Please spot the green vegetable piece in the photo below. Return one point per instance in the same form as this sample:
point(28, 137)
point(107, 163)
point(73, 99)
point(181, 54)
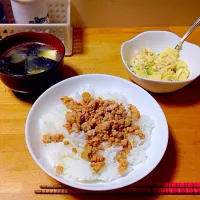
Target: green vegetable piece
point(149, 71)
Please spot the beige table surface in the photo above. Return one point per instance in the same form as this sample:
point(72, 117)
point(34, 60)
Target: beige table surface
point(98, 51)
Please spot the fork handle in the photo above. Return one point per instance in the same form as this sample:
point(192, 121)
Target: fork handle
point(191, 29)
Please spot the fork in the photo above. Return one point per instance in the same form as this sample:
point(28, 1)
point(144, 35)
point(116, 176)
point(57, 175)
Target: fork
point(191, 29)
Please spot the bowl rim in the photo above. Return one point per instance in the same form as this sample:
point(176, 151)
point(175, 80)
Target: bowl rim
point(151, 80)
point(36, 33)
point(77, 184)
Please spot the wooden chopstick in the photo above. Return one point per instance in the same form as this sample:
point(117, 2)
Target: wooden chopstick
point(54, 186)
point(143, 190)
point(157, 185)
point(174, 188)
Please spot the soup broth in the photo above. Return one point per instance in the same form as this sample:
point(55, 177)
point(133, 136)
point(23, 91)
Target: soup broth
point(29, 58)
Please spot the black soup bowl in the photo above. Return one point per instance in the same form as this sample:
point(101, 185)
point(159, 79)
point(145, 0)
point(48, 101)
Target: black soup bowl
point(30, 83)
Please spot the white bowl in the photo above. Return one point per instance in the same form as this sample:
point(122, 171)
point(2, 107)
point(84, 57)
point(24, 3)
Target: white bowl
point(100, 83)
point(157, 41)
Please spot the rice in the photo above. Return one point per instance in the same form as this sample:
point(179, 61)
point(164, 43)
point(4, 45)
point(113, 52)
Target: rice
point(75, 167)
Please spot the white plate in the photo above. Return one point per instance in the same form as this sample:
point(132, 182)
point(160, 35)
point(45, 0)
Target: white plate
point(100, 83)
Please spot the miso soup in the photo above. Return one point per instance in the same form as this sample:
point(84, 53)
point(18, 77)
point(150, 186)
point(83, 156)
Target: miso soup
point(29, 58)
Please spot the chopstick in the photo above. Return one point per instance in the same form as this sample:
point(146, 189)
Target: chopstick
point(166, 191)
point(156, 185)
point(186, 188)
point(54, 186)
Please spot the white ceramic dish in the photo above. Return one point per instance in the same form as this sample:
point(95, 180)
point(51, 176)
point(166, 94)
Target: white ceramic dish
point(100, 83)
point(157, 41)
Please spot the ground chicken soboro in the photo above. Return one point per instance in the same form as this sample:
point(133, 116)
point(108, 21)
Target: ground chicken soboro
point(48, 138)
point(59, 169)
point(102, 121)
